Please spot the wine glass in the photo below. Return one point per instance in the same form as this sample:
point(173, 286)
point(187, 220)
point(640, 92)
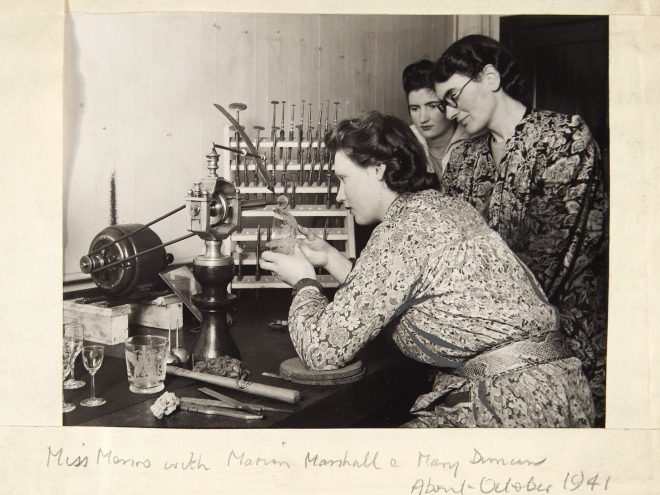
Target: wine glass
point(171, 358)
point(67, 362)
point(93, 359)
point(180, 352)
point(77, 332)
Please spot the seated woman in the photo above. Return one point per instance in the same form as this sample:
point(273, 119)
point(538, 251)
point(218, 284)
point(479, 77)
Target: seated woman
point(437, 134)
point(536, 177)
point(447, 287)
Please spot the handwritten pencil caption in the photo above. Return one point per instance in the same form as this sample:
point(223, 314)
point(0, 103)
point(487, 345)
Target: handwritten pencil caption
point(448, 476)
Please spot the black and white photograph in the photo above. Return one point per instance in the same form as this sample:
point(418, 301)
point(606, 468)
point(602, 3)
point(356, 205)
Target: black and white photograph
point(432, 188)
point(387, 249)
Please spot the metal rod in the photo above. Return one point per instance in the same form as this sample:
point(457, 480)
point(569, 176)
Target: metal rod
point(138, 230)
point(119, 262)
point(241, 152)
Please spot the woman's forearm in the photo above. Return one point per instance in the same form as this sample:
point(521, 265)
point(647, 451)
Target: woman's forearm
point(338, 265)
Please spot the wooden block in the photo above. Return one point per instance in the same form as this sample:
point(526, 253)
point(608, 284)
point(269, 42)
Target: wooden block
point(163, 312)
point(103, 325)
point(294, 370)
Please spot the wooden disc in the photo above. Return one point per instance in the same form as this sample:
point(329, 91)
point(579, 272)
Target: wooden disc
point(294, 370)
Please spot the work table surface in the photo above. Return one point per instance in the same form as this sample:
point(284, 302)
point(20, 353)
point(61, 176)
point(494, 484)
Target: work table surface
point(381, 398)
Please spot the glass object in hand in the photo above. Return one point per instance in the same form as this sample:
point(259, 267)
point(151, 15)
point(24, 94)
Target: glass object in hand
point(76, 331)
point(93, 359)
point(285, 228)
point(146, 363)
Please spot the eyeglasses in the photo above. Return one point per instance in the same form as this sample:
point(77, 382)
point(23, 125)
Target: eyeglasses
point(451, 100)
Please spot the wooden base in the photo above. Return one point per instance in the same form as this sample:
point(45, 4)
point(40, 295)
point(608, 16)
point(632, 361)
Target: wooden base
point(294, 371)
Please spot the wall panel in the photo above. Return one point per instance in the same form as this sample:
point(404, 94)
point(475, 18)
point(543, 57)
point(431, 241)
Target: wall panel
point(140, 89)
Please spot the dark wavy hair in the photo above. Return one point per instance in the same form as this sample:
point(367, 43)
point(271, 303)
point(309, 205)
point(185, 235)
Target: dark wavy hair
point(378, 138)
point(418, 76)
point(469, 55)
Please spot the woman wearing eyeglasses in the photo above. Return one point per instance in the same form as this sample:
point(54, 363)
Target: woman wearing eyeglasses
point(447, 288)
point(437, 134)
point(537, 179)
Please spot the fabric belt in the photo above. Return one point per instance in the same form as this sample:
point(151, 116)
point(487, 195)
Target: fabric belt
point(514, 356)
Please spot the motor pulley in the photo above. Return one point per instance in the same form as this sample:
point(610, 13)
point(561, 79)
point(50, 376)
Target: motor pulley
point(119, 243)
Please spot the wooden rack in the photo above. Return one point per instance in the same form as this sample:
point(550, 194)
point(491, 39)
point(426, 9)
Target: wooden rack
point(314, 207)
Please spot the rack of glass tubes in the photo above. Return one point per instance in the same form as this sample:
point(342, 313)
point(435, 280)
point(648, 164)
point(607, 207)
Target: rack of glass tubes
point(300, 168)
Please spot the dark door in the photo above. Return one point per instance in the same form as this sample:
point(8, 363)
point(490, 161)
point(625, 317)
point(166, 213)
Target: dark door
point(565, 59)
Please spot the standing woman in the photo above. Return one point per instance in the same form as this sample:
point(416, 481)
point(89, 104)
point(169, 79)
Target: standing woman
point(437, 134)
point(536, 177)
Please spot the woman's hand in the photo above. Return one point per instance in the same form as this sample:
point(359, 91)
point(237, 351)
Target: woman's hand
point(288, 268)
point(313, 247)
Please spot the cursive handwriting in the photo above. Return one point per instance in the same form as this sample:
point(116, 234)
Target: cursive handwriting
point(425, 460)
point(479, 458)
point(244, 460)
point(193, 463)
point(110, 459)
point(58, 458)
point(421, 487)
point(488, 485)
point(369, 461)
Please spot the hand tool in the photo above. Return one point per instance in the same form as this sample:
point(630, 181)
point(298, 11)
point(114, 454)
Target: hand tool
point(273, 131)
point(299, 156)
point(282, 134)
point(255, 408)
point(272, 178)
point(310, 129)
point(319, 133)
point(285, 185)
point(301, 134)
point(328, 199)
point(327, 116)
point(273, 375)
point(239, 253)
point(291, 138)
point(187, 405)
point(310, 172)
point(292, 202)
point(283, 394)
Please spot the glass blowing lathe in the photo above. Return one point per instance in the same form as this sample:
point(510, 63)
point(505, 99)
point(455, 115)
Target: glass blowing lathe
point(124, 258)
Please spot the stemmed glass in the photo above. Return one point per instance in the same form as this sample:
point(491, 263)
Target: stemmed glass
point(93, 359)
point(77, 332)
point(171, 358)
point(67, 361)
point(180, 352)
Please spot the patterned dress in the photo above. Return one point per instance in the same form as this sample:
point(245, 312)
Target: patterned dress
point(448, 289)
point(548, 201)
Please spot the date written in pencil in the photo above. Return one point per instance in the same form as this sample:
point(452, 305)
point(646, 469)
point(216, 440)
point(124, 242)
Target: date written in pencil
point(576, 482)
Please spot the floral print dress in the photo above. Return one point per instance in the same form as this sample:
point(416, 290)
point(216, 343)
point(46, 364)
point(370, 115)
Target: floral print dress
point(548, 201)
point(448, 289)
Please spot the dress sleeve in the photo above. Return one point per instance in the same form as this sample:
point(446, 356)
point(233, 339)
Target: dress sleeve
point(569, 217)
point(328, 335)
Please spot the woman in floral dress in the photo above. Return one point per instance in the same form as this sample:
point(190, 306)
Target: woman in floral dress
point(447, 288)
point(536, 177)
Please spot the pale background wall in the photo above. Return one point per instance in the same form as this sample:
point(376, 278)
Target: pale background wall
point(139, 90)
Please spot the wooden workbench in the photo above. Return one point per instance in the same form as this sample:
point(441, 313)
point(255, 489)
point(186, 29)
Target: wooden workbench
point(381, 399)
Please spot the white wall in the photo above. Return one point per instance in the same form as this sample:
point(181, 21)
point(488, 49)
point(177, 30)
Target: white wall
point(140, 89)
